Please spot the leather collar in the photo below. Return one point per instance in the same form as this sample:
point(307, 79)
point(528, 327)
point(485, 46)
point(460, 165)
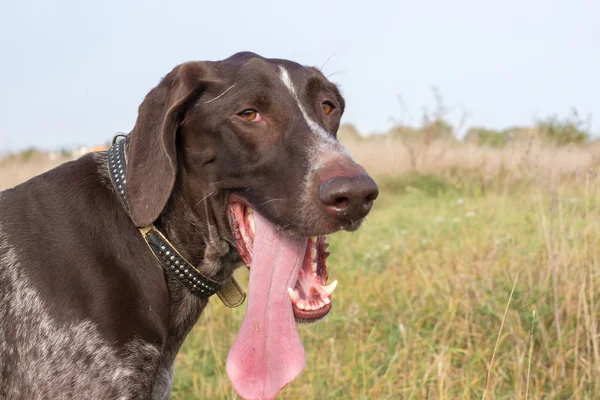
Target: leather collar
point(175, 265)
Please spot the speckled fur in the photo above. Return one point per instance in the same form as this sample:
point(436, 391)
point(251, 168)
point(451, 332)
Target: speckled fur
point(41, 358)
point(49, 356)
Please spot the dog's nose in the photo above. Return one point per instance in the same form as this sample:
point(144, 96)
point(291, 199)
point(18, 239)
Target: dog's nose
point(349, 197)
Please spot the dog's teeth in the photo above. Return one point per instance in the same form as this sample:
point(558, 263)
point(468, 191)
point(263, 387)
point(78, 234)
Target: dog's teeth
point(313, 265)
point(321, 304)
point(314, 239)
point(330, 288)
point(293, 295)
point(313, 253)
point(300, 305)
point(327, 300)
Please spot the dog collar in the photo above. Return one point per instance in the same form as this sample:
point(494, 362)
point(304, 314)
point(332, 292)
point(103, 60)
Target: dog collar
point(176, 266)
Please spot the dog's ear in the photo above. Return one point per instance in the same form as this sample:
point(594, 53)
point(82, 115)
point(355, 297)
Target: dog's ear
point(152, 153)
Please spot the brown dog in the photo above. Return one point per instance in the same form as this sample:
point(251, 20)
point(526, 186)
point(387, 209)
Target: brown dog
point(230, 162)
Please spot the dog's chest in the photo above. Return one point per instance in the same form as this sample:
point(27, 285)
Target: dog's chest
point(43, 358)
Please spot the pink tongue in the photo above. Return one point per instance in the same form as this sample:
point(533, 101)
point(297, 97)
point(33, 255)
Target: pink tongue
point(267, 353)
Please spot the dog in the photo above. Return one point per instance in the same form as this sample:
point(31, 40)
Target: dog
point(106, 262)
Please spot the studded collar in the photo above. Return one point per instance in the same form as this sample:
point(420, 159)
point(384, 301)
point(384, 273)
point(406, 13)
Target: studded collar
point(174, 264)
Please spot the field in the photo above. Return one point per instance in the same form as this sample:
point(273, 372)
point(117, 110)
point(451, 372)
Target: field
point(476, 276)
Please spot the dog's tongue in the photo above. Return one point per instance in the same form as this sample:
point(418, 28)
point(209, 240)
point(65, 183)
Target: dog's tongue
point(267, 353)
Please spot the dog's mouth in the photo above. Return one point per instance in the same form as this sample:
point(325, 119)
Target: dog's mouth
point(288, 284)
point(311, 295)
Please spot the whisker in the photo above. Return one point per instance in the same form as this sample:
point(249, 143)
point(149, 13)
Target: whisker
point(222, 94)
point(268, 201)
point(204, 198)
point(336, 73)
point(330, 57)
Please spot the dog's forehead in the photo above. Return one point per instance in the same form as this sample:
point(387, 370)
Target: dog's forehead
point(248, 66)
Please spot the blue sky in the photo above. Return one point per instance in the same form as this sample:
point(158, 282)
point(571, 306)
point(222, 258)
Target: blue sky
point(74, 72)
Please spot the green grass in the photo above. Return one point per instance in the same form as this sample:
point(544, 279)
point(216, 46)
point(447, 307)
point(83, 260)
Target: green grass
point(423, 287)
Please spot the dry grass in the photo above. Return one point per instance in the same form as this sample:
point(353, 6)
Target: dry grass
point(423, 305)
point(385, 156)
point(15, 170)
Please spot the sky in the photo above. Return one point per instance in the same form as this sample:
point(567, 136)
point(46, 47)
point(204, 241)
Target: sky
point(74, 72)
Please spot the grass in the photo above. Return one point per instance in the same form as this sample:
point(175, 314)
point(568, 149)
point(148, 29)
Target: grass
point(15, 169)
point(428, 292)
point(424, 286)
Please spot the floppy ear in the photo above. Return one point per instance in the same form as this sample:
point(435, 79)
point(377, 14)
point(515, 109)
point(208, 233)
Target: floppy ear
point(152, 153)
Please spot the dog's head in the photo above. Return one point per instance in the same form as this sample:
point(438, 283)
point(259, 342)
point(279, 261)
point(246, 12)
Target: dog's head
point(252, 142)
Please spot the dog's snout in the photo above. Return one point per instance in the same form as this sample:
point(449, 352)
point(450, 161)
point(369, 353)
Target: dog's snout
point(348, 197)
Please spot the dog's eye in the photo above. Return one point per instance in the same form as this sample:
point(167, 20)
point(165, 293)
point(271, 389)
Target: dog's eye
point(327, 107)
point(250, 114)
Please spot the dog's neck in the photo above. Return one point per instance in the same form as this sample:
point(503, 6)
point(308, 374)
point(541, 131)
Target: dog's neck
point(195, 229)
point(199, 233)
